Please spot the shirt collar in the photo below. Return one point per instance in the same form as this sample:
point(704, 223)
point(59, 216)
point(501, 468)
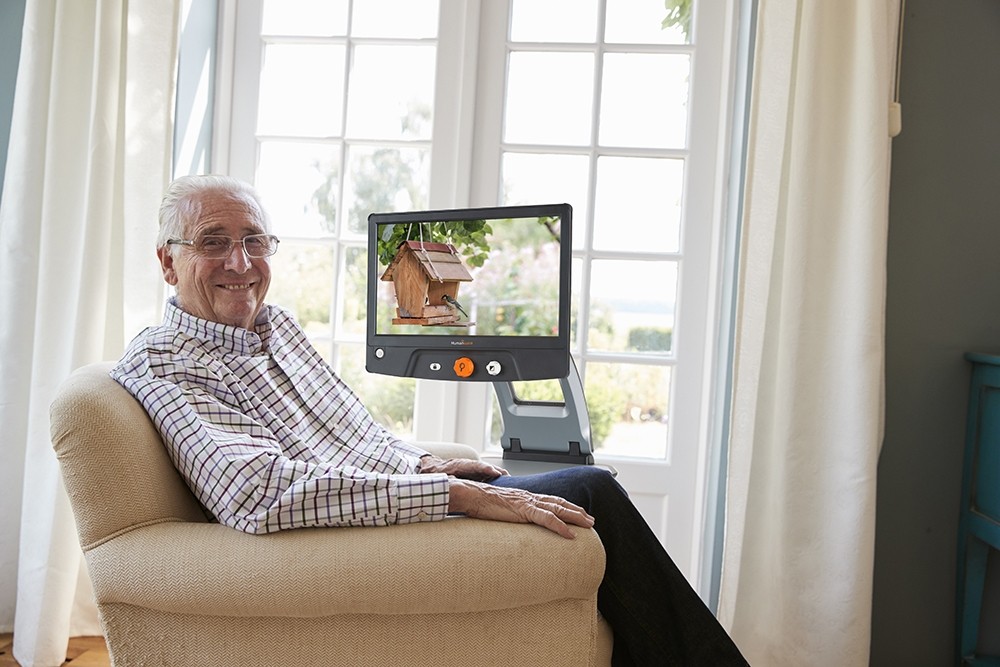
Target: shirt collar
point(236, 340)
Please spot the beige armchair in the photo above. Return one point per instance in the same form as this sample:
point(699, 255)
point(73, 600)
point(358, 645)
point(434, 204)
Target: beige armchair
point(174, 589)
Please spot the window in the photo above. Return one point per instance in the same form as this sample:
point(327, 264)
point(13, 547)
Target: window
point(596, 113)
point(331, 120)
point(343, 108)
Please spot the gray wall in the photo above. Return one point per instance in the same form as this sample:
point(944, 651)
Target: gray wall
point(943, 299)
point(11, 19)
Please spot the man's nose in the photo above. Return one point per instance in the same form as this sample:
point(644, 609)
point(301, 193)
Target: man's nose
point(238, 260)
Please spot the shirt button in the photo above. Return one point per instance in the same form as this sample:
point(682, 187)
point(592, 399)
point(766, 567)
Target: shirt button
point(422, 515)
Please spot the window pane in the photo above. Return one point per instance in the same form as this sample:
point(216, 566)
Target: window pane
point(628, 408)
point(301, 276)
point(649, 22)
point(644, 100)
point(632, 306)
point(301, 90)
point(385, 179)
point(532, 178)
point(395, 18)
point(352, 306)
point(389, 399)
point(549, 98)
point(538, 391)
point(392, 92)
point(299, 183)
point(638, 204)
point(553, 21)
point(304, 17)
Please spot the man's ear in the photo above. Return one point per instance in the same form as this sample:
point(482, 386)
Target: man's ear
point(167, 264)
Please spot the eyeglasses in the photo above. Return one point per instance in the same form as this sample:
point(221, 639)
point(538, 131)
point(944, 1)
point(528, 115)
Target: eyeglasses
point(217, 247)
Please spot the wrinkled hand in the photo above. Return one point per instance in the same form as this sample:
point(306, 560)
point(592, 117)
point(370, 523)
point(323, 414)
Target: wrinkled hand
point(461, 468)
point(496, 503)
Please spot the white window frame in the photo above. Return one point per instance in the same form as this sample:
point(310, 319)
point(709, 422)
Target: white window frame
point(700, 300)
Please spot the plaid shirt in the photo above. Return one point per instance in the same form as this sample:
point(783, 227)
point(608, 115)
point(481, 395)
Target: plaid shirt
point(266, 435)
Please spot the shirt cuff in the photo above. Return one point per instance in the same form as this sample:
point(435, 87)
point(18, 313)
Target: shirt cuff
point(422, 498)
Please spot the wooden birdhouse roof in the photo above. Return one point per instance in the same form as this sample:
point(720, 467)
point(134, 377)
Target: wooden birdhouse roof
point(439, 261)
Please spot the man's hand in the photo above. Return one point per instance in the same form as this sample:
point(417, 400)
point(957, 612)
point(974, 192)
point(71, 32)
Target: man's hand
point(461, 468)
point(496, 503)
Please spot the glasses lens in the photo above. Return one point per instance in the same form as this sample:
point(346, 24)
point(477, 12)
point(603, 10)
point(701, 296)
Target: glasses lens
point(260, 245)
point(214, 246)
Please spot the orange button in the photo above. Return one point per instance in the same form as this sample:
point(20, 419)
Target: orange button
point(464, 367)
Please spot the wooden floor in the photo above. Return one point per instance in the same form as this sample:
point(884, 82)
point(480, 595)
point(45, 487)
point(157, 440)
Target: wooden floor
point(82, 652)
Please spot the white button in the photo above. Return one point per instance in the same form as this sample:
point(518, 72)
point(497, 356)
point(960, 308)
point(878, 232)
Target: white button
point(379, 353)
point(494, 368)
point(435, 366)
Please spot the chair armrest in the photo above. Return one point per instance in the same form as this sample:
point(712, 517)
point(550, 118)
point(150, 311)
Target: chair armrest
point(449, 450)
point(456, 565)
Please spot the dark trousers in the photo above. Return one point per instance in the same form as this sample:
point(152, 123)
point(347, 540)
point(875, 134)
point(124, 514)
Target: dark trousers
point(656, 616)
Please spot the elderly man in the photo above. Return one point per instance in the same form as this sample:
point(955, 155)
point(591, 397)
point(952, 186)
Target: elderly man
point(269, 438)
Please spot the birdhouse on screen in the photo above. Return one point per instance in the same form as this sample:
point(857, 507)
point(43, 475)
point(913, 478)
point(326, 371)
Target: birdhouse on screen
point(426, 278)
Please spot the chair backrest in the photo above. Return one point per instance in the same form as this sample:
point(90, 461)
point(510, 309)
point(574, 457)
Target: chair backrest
point(116, 470)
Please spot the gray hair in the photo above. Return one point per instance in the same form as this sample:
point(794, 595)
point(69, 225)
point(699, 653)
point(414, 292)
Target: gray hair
point(181, 204)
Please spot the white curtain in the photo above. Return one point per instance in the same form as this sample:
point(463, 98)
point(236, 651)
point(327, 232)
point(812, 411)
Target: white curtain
point(808, 376)
point(89, 157)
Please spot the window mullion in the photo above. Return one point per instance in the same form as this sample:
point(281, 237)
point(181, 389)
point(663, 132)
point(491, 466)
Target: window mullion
point(247, 47)
point(454, 103)
point(437, 413)
point(491, 76)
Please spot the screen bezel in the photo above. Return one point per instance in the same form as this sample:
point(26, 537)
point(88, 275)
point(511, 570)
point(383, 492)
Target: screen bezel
point(529, 357)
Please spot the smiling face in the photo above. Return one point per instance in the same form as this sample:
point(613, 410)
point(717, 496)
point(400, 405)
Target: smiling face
point(229, 290)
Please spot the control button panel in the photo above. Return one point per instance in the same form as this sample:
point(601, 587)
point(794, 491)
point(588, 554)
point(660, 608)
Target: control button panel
point(464, 365)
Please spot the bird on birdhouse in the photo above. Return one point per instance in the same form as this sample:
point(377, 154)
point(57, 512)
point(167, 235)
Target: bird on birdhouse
point(454, 302)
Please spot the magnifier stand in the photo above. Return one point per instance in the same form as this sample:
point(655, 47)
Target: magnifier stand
point(546, 432)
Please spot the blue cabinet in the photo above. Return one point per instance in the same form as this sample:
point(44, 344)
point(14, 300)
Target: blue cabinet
point(979, 521)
